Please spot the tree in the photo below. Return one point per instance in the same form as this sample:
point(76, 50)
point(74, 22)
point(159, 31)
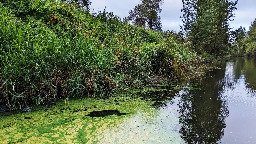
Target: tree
point(238, 41)
point(206, 24)
point(239, 33)
point(189, 15)
point(146, 14)
point(250, 40)
point(252, 31)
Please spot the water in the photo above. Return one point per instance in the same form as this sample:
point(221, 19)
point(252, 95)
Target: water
point(221, 108)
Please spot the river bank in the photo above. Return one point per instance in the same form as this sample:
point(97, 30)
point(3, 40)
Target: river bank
point(210, 107)
point(88, 120)
point(53, 50)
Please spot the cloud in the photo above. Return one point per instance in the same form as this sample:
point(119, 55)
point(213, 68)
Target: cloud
point(119, 8)
point(170, 15)
point(171, 11)
point(171, 25)
point(245, 14)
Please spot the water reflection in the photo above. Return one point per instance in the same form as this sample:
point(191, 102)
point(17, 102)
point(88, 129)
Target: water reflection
point(223, 109)
point(241, 99)
point(203, 112)
point(218, 109)
point(247, 68)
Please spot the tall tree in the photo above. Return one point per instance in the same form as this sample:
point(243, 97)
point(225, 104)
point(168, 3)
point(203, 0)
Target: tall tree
point(147, 14)
point(250, 40)
point(206, 24)
point(252, 31)
point(239, 33)
point(238, 41)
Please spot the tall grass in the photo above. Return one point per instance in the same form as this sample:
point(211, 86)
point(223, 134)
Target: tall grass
point(51, 50)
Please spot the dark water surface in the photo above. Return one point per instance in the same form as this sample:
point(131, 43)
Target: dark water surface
point(218, 109)
point(224, 109)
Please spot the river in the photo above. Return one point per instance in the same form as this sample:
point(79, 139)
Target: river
point(218, 108)
point(221, 108)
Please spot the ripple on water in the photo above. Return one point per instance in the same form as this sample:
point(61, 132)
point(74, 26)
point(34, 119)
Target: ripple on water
point(240, 95)
point(241, 100)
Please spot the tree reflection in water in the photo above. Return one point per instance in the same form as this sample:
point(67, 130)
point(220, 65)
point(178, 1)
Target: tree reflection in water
point(203, 112)
point(247, 68)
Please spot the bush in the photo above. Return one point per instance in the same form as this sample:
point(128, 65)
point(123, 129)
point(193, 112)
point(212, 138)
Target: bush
point(51, 50)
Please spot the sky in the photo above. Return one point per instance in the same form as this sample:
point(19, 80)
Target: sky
point(171, 12)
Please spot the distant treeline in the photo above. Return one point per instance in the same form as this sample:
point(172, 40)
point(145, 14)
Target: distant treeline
point(244, 42)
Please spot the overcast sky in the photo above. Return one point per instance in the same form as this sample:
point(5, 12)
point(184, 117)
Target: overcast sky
point(170, 16)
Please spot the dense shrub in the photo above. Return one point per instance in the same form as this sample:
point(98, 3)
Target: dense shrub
point(52, 50)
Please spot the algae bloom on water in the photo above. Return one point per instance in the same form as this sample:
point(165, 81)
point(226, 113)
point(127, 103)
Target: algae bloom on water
point(79, 121)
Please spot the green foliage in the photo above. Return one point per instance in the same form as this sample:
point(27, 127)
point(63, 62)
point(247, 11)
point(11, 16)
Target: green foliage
point(245, 43)
point(146, 14)
point(252, 31)
point(238, 41)
point(51, 50)
point(251, 39)
point(206, 24)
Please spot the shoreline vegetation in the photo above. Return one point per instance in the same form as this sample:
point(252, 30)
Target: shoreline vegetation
point(70, 76)
point(57, 50)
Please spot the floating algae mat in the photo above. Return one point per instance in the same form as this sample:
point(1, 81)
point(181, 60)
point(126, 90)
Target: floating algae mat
point(78, 121)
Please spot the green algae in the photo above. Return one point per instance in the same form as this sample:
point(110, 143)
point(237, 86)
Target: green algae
point(67, 123)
